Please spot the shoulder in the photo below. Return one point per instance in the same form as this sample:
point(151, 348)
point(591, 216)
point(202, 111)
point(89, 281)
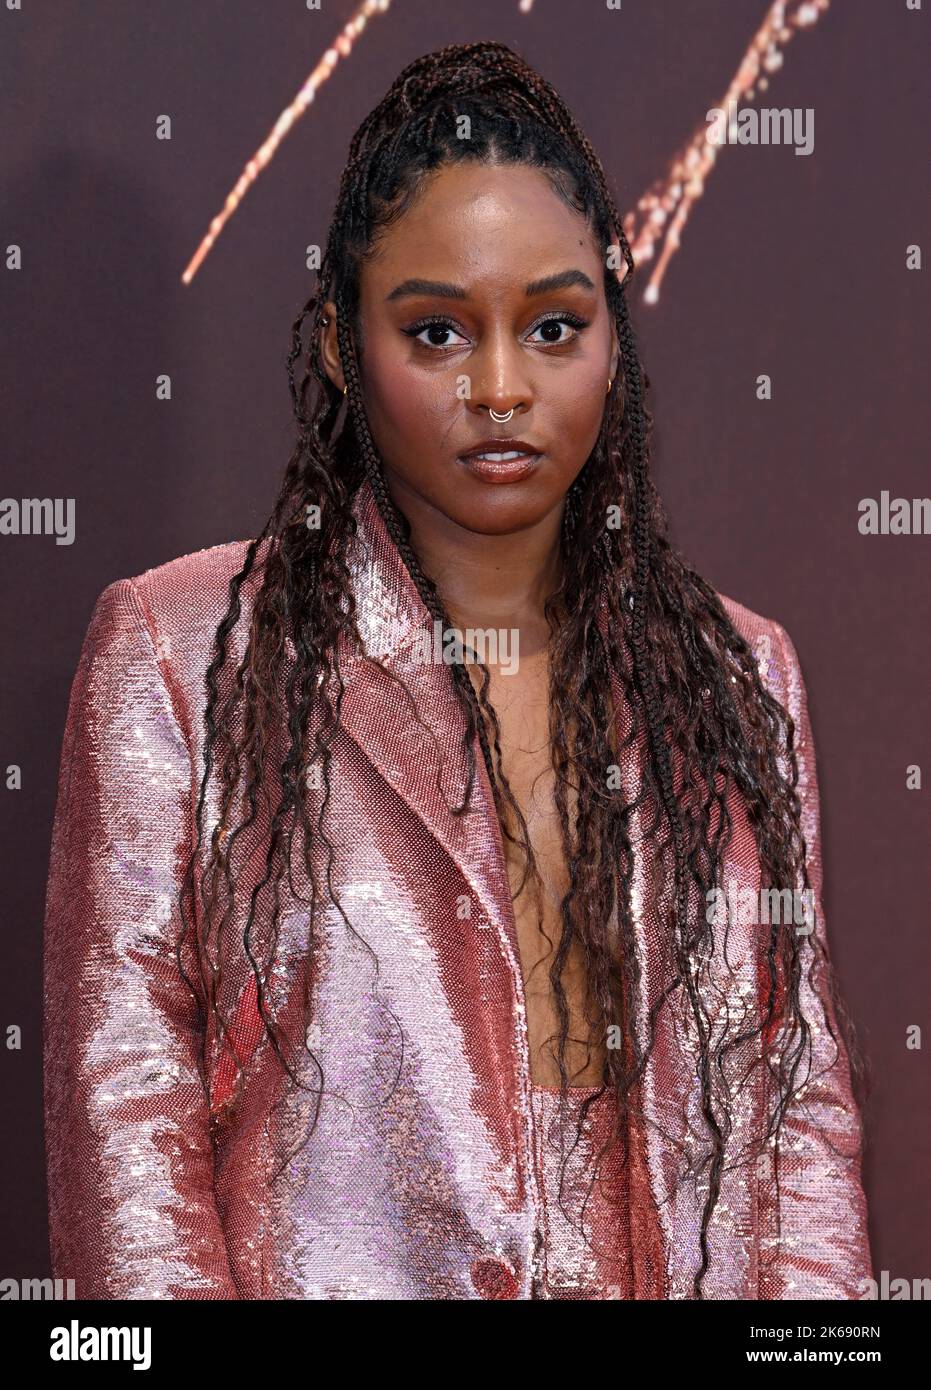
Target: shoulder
point(781, 675)
point(177, 596)
point(776, 655)
point(159, 625)
point(200, 580)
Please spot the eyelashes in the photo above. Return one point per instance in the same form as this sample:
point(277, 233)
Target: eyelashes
point(437, 321)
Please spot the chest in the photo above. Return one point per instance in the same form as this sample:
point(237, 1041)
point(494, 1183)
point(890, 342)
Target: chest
point(521, 703)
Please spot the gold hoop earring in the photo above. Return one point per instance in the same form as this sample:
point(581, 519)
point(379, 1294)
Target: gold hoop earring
point(610, 384)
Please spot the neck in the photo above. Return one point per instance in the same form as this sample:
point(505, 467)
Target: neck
point(488, 581)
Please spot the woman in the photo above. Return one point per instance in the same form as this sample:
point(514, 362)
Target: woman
point(389, 961)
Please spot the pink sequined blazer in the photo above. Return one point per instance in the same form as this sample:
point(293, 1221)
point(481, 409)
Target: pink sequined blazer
point(422, 1178)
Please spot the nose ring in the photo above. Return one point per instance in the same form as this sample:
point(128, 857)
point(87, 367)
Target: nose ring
point(501, 419)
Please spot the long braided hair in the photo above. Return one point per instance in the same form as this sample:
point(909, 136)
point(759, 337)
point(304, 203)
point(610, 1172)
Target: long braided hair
point(692, 681)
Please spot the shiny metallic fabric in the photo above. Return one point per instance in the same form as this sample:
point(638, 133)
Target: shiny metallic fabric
point(586, 1199)
point(431, 1172)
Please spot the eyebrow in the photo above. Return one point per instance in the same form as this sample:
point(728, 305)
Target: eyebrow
point(441, 289)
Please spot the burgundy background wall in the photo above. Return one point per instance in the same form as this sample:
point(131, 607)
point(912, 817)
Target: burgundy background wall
point(792, 266)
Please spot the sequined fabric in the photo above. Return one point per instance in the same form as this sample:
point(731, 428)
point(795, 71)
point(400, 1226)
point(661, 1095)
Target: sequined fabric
point(583, 1169)
point(415, 1169)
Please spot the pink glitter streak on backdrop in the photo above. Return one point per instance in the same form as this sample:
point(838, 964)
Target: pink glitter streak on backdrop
point(661, 213)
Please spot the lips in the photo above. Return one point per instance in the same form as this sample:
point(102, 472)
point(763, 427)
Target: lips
point(501, 445)
point(501, 460)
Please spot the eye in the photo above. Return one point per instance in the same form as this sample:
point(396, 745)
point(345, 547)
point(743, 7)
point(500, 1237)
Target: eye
point(556, 321)
point(437, 328)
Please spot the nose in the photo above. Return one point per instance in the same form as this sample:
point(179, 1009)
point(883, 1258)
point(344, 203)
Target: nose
point(499, 379)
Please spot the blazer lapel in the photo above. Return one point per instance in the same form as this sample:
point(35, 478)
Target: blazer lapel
point(419, 752)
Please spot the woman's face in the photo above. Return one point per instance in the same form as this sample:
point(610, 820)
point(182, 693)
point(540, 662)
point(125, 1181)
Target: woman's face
point(488, 294)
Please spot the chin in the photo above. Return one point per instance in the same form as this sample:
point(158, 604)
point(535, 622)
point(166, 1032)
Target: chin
point(506, 510)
